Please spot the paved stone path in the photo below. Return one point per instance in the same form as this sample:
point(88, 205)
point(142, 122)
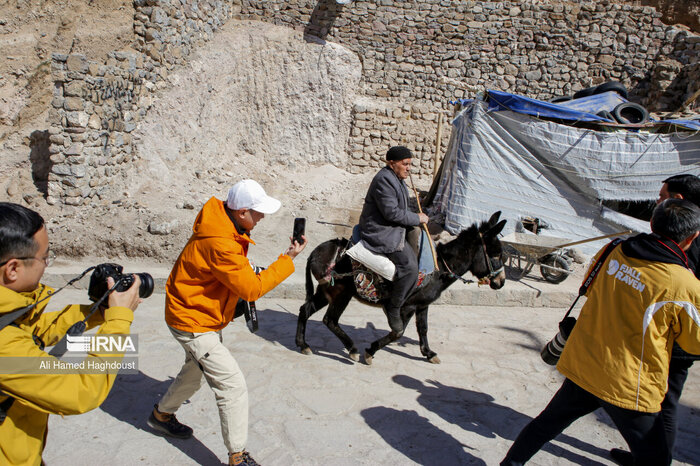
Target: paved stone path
point(325, 409)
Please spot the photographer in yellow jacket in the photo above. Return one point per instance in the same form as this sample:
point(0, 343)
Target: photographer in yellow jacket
point(26, 400)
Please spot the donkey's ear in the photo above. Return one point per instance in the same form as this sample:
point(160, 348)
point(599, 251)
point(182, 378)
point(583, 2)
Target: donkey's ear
point(494, 218)
point(495, 230)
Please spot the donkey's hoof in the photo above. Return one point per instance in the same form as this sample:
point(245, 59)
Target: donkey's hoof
point(306, 351)
point(368, 358)
point(434, 360)
point(354, 355)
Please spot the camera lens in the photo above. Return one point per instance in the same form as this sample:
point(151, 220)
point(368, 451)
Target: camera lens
point(146, 288)
point(552, 350)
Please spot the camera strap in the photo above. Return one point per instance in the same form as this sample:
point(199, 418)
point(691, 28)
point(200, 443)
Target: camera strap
point(7, 319)
point(594, 272)
point(251, 316)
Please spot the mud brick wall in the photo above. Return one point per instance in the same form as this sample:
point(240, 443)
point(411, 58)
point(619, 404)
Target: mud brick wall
point(95, 108)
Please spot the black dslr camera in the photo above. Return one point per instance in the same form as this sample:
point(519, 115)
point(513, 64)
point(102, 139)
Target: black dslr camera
point(98, 281)
point(552, 350)
point(247, 308)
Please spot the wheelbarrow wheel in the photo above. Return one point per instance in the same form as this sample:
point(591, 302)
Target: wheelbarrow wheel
point(557, 261)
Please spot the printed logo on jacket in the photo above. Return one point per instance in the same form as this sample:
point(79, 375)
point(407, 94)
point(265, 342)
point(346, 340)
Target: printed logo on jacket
point(626, 274)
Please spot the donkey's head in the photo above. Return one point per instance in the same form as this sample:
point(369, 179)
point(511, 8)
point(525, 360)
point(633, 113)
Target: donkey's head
point(487, 262)
point(477, 250)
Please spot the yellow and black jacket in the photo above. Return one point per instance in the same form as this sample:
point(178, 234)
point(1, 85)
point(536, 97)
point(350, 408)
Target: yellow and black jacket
point(23, 431)
point(643, 299)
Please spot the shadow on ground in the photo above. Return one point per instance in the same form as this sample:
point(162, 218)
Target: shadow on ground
point(476, 412)
point(131, 401)
point(281, 326)
point(418, 439)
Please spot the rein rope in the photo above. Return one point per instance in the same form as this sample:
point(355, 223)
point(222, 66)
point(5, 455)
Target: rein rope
point(492, 272)
point(451, 274)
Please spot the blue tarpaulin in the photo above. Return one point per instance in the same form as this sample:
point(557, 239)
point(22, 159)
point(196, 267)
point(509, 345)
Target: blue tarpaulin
point(690, 124)
point(582, 109)
point(499, 100)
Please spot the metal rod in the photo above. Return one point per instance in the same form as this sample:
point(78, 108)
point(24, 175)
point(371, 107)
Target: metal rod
point(335, 224)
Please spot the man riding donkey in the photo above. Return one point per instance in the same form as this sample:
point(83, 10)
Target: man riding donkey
point(384, 222)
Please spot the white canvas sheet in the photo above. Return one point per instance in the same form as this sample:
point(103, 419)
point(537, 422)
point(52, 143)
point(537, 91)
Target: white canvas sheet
point(525, 166)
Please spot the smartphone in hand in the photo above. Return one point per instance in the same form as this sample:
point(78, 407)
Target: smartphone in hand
point(299, 230)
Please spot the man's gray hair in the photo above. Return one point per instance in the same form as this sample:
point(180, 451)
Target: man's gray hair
point(675, 219)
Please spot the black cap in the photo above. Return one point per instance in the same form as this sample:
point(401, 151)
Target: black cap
point(399, 153)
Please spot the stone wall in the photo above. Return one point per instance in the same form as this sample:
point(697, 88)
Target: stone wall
point(96, 106)
point(430, 52)
point(417, 56)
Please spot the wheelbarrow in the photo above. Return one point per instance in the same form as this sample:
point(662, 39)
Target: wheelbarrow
point(522, 251)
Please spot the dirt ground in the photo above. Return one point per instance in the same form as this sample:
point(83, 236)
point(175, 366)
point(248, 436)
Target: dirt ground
point(30, 31)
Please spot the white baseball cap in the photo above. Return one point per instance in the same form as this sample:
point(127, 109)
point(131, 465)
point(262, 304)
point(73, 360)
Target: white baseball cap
point(248, 194)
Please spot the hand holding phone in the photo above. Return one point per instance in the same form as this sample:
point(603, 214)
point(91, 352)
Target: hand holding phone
point(298, 238)
point(299, 230)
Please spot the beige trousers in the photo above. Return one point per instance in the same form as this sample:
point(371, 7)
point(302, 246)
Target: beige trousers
point(206, 355)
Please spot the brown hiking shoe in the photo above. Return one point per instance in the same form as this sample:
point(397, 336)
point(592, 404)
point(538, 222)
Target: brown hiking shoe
point(241, 458)
point(169, 425)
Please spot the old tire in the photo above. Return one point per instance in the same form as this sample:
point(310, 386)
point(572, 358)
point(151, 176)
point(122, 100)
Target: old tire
point(611, 86)
point(600, 88)
point(554, 276)
point(630, 113)
point(584, 92)
point(561, 98)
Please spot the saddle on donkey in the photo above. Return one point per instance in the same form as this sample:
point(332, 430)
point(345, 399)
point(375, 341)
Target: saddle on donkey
point(371, 270)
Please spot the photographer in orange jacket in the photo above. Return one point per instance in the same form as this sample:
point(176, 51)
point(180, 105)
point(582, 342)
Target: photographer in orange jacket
point(202, 292)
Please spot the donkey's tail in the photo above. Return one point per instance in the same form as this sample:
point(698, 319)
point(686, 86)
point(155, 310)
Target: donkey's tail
point(322, 262)
point(309, 282)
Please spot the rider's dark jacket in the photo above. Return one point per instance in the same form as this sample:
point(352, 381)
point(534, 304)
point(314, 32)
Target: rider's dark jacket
point(385, 215)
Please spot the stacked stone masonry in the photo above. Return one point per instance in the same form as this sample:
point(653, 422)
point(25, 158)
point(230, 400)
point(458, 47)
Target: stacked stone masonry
point(417, 57)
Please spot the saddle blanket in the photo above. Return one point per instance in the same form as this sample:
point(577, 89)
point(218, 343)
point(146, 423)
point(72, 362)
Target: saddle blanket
point(381, 264)
point(368, 283)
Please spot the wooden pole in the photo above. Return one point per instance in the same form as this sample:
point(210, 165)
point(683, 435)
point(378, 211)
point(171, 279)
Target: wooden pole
point(690, 100)
point(619, 233)
point(438, 140)
point(425, 226)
